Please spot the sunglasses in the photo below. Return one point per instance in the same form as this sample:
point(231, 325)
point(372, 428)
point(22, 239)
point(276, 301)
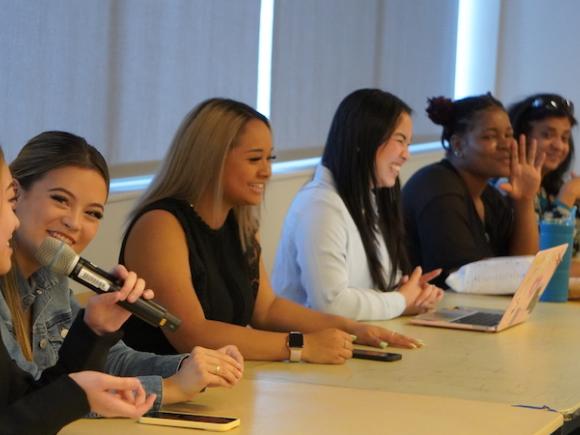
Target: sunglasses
point(553, 104)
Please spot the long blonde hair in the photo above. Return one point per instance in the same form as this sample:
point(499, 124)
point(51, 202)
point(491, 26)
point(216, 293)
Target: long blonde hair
point(195, 160)
point(43, 153)
point(12, 299)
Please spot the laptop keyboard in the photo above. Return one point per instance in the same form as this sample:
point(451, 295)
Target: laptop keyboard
point(481, 319)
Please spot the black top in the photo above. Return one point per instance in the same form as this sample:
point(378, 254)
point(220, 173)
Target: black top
point(225, 279)
point(46, 405)
point(443, 227)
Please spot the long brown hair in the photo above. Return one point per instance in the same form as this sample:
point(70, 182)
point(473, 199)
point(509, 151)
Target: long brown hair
point(195, 160)
point(12, 299)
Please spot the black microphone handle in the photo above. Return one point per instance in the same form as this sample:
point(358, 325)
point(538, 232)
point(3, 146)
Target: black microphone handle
point(101, 281)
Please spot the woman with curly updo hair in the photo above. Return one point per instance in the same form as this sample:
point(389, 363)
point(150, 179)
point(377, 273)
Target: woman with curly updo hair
point(452, 214)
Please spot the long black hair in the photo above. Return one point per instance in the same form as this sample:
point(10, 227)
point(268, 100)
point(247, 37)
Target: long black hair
point(536, 108)
point(364, 120)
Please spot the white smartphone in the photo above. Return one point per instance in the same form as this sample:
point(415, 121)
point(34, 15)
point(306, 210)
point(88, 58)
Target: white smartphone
point(206, 422)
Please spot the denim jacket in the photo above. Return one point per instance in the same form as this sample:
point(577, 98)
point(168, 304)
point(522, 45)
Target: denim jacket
point(53, 310)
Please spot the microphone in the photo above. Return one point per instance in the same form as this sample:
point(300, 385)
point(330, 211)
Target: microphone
point(62, 260)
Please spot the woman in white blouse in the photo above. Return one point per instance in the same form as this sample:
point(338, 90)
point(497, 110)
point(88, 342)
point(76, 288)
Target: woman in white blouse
point(342, 249)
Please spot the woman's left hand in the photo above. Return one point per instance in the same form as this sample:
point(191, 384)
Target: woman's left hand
point(204, 368)
point(570, 191)
point(102, 313)
point(525, 170)
point(429, 296)
point(376, 336)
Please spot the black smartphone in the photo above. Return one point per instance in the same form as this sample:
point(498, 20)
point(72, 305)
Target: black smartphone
point(376, 355)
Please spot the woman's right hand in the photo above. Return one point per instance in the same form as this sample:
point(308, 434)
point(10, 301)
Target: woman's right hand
point(112, 396)
point(103, 314)
point(329, 346)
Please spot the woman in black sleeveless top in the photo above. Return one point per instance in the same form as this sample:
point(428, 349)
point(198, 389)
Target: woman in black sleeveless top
point(194, 238)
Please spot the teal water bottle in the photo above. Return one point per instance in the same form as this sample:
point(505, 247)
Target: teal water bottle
point(554, 232)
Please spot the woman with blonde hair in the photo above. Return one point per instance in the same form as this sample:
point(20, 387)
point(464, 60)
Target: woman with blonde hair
point(194, 237)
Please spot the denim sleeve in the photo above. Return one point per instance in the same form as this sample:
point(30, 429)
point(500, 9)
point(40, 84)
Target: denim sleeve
point(148, 367)
point(125, 361)
point(153, 384)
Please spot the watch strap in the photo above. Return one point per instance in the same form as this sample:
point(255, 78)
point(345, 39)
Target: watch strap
point(295, 354)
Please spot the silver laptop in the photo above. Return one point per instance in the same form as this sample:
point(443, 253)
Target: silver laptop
point(522, 304)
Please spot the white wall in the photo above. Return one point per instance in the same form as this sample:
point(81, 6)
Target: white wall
point(104, 250)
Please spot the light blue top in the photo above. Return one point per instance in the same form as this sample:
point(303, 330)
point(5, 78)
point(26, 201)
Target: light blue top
point(321, 262)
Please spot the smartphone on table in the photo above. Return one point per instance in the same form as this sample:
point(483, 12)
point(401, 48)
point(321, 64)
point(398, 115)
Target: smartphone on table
point(193, 421)
point(376, 355)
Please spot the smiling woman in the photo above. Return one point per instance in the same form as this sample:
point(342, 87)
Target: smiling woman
point(549, 119)
point(60, 207)
point(64, 393)
point(8, 220)
point(452, 214)
point(342, 249)
point(194, 237)
point(57, 154)
point(246, 170)
point(62, 182)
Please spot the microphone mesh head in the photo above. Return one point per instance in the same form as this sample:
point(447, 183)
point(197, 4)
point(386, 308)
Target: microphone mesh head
point(57, 255)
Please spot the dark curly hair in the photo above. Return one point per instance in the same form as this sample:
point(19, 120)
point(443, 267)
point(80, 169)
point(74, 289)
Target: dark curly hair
point(456, 116)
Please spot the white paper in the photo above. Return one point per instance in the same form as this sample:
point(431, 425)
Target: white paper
point(492, 276)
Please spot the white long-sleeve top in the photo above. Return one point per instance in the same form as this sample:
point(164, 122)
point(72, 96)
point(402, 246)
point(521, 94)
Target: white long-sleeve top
point(321, 262)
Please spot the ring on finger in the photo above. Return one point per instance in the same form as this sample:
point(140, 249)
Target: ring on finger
point(217, 369)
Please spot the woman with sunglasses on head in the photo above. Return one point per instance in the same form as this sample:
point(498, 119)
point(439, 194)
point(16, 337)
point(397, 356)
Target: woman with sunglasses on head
point(194, 237)
point(342, 249)
point(64, 392)
point(549, 119)
point(452, 214)
point(62, 185)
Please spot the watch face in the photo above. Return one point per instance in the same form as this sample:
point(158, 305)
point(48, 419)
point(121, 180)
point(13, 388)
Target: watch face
point(295, 339)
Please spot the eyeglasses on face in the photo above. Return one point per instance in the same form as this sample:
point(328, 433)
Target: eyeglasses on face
point(553, 104)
